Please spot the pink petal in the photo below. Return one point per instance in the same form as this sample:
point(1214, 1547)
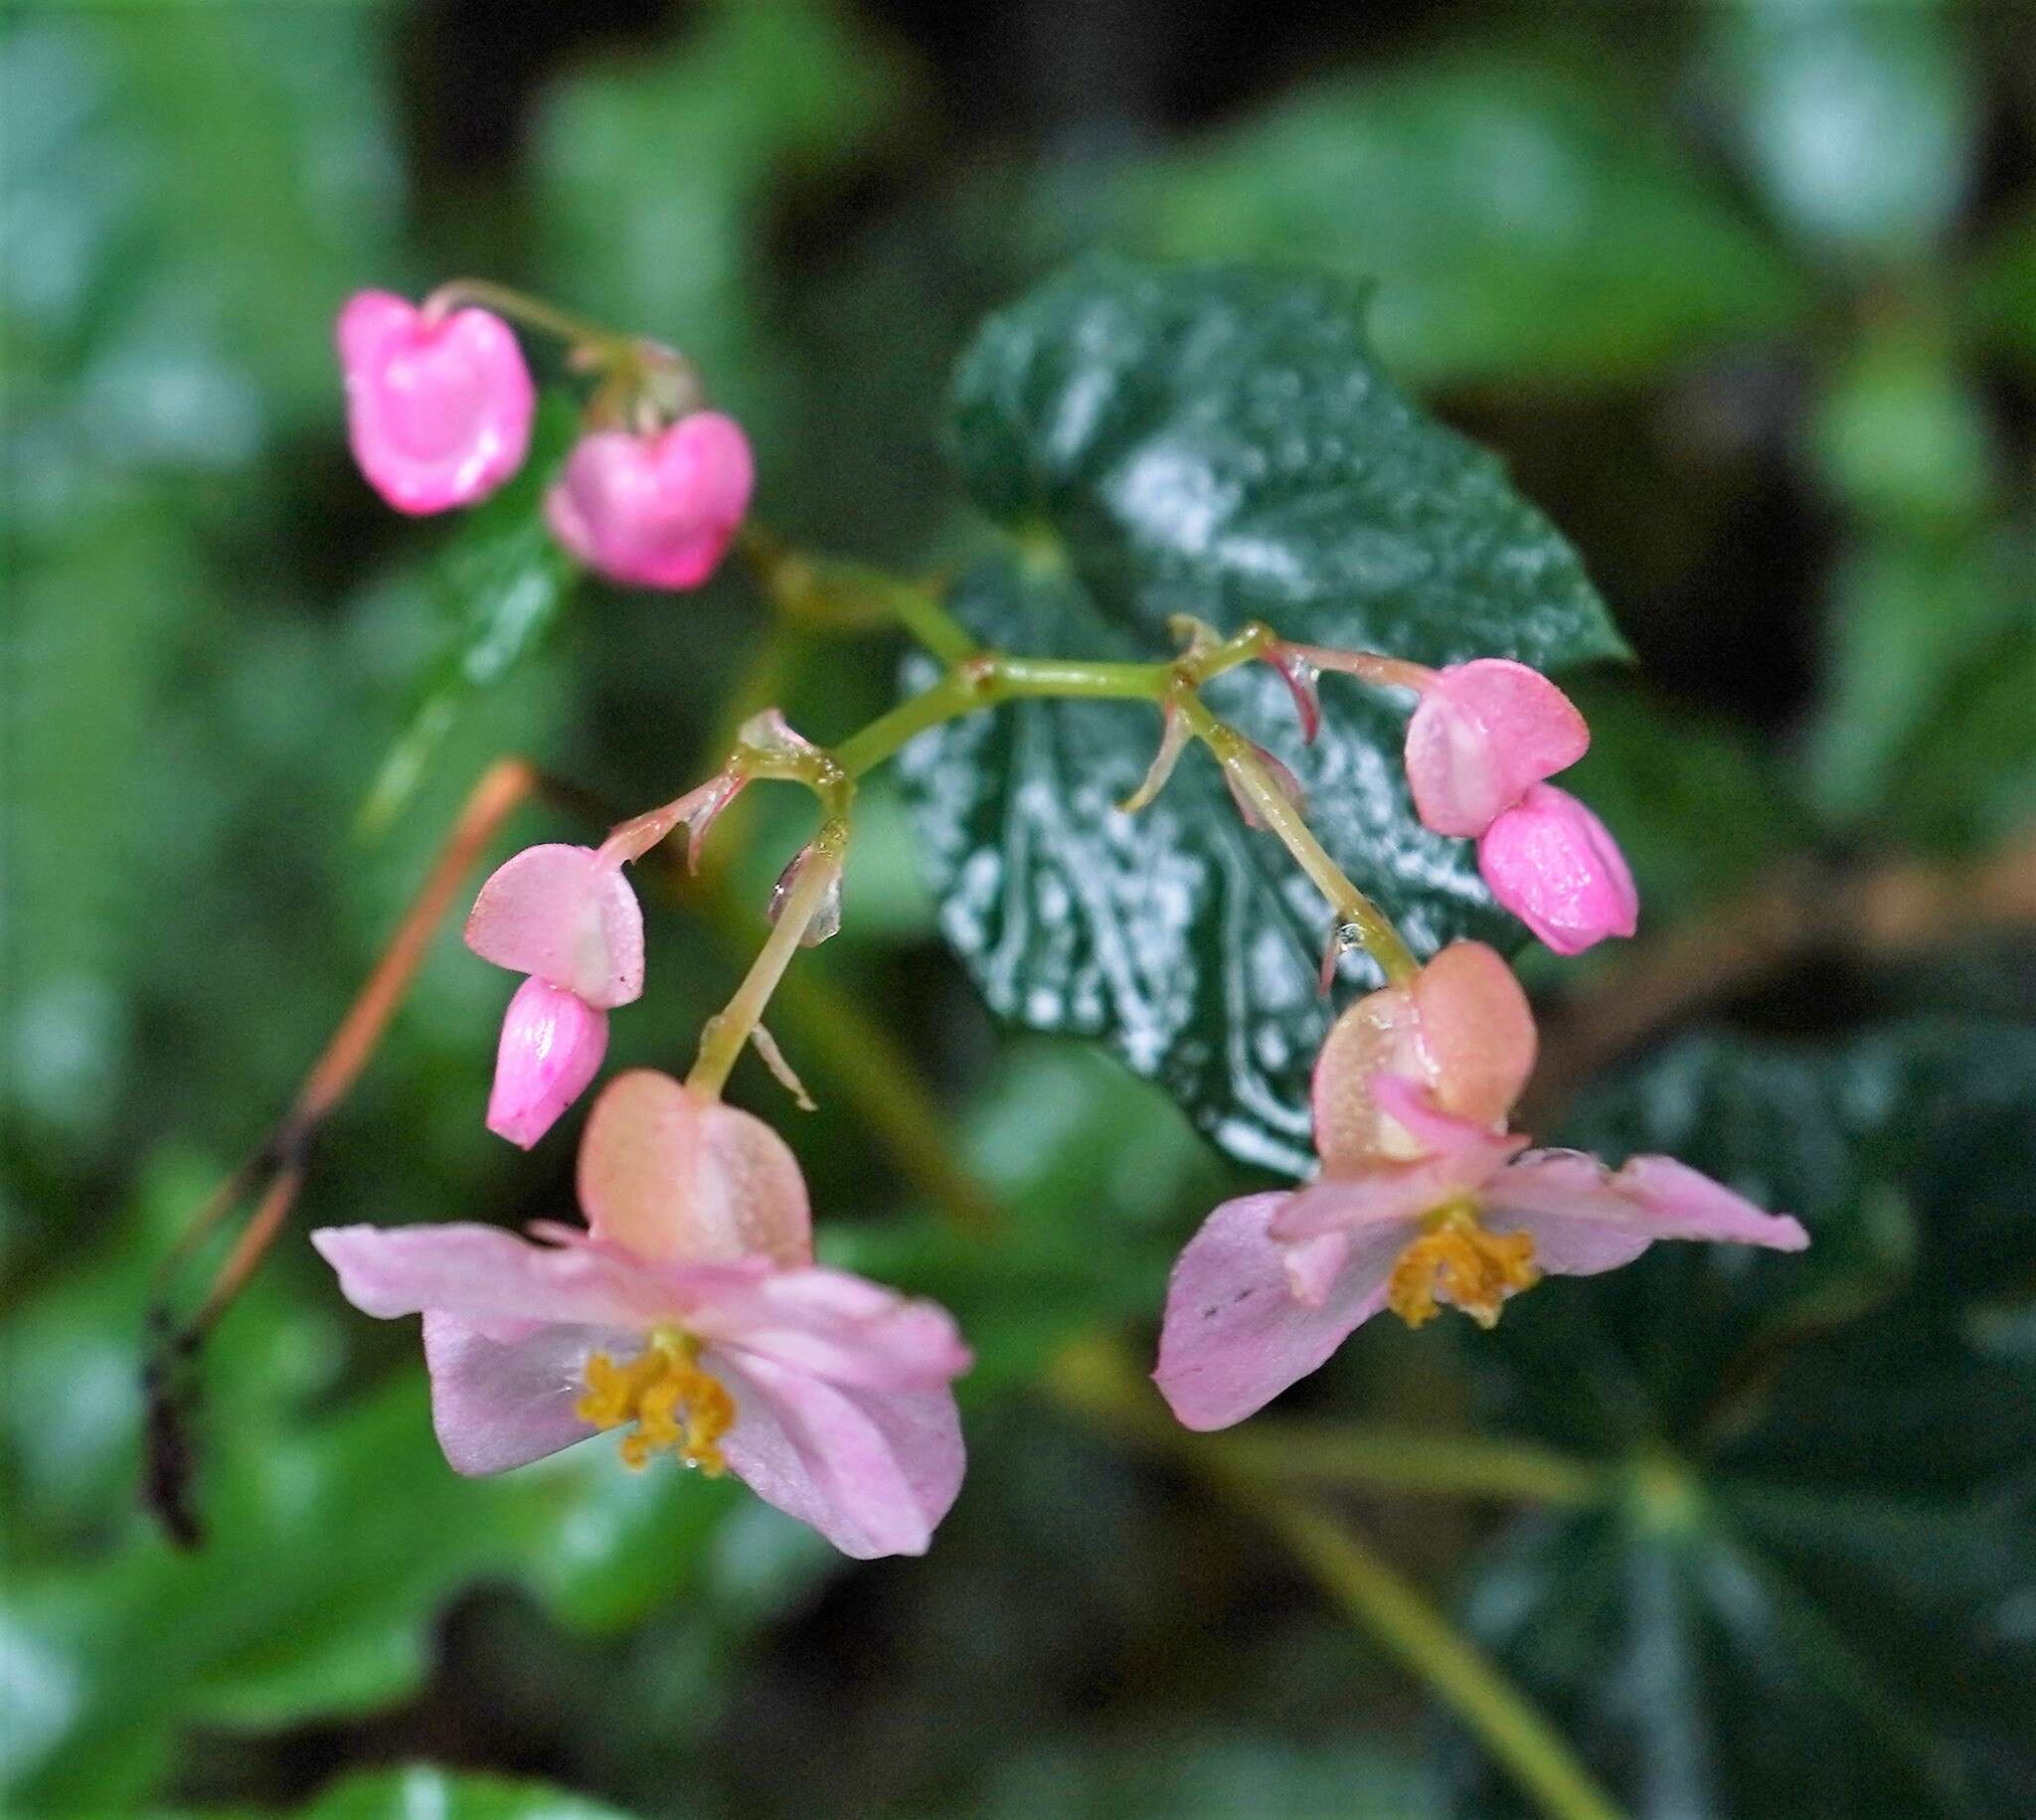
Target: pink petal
point(874, 1471)
point(552, 1046)
point(493, 1280)
point(1585, 1217)
point(497, 1404)
point(1555, 866)
point(655, 511)
point(1480, 735)
point(564, 915)
point(1374, 1036)
point(1235, 1334)
point(843, 1328)
point(679, 1177)
point(1476, 1032)
point(439, 411)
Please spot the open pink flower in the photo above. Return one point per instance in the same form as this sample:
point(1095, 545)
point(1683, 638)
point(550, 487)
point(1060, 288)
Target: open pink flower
point(690, 1314)
point(1482, 734)
point(655, 511)
point(1423, 1197)
point(566, 916)
point(438, 406)
point(1555, 866)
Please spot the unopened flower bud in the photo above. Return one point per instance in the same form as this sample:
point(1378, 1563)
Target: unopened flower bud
point(655, 511)
point(1483, 734)
point(552, 1046)
point(1555, 866)
point(565, 915)
point(439, 408)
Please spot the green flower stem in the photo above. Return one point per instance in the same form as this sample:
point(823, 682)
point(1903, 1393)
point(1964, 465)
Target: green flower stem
point(1382, 1459)
point(1354, 911)
point(1096, 1382)
point(721, 1040)
point(538, 314)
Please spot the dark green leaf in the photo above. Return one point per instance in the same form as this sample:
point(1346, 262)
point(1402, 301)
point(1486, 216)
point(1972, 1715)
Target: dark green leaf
point(1214, 441)
point(2002, 296)
point(500, 581)
point(1809, 1593)
point(442, 1795)
point(1521, 222)
point(1856, 121)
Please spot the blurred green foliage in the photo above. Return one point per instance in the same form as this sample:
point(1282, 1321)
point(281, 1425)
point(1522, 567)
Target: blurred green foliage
point(1747, 296)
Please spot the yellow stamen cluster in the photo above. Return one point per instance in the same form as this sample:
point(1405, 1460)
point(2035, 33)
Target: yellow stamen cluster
point(1457, 1260)
point(671, 1401)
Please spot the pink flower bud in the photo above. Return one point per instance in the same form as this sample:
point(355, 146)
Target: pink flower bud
point(565, 915)
point(1555, 866)
point(439, 408)
point(1482, 735)
point(655, 511)
point(551, 1046)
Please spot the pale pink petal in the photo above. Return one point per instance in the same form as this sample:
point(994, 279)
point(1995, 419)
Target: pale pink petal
point(680, 1178)
point(840, 1327)
point(564, 914)
point(1480, 735)
point(498, 1403)
point(1314, 1265)
point(1476, 1032)
point(493, 1280)
point(874, 1471)
point(1585, 1217)
point(438, 410)
point(1235, 1334)
point(655, 511)
point(552, 1046)
point(1555, 866)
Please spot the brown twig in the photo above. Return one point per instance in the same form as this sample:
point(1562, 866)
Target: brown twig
point(1881, 912)
point(273, 1176)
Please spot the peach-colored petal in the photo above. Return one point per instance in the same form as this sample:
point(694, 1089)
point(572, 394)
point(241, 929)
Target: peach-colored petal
point(1374, 1036)
point(566, 916)
point(1476, 1032)
point(679, 1177)
point(1481, 735)
point(1235, 1334)
point(874, 1471)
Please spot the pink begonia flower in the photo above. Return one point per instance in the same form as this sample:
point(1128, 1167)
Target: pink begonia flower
point(1482, 734)
point(1423, 1197)
point(690, 1314)
point(439, 408)
point(655, 511)
point(566, 916)
point(551, 1046)
point(1555, 866)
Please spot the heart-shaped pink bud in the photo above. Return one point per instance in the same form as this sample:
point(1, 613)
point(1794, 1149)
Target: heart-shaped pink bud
point(566, 916)
point(655, 511)
point(439, 408)
point(1555, 866)
point(552, 1046)
point(1483, 734)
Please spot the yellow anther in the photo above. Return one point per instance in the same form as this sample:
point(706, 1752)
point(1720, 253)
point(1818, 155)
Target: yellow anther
point(1457, 1260)
point(670, 1400)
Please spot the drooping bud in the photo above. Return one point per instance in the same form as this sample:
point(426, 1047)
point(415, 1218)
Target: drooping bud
point(655, 511)
point(1555, 866)
point(552, 1046)
point(439, 408)
point(567, 916)
point(1482, 735)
